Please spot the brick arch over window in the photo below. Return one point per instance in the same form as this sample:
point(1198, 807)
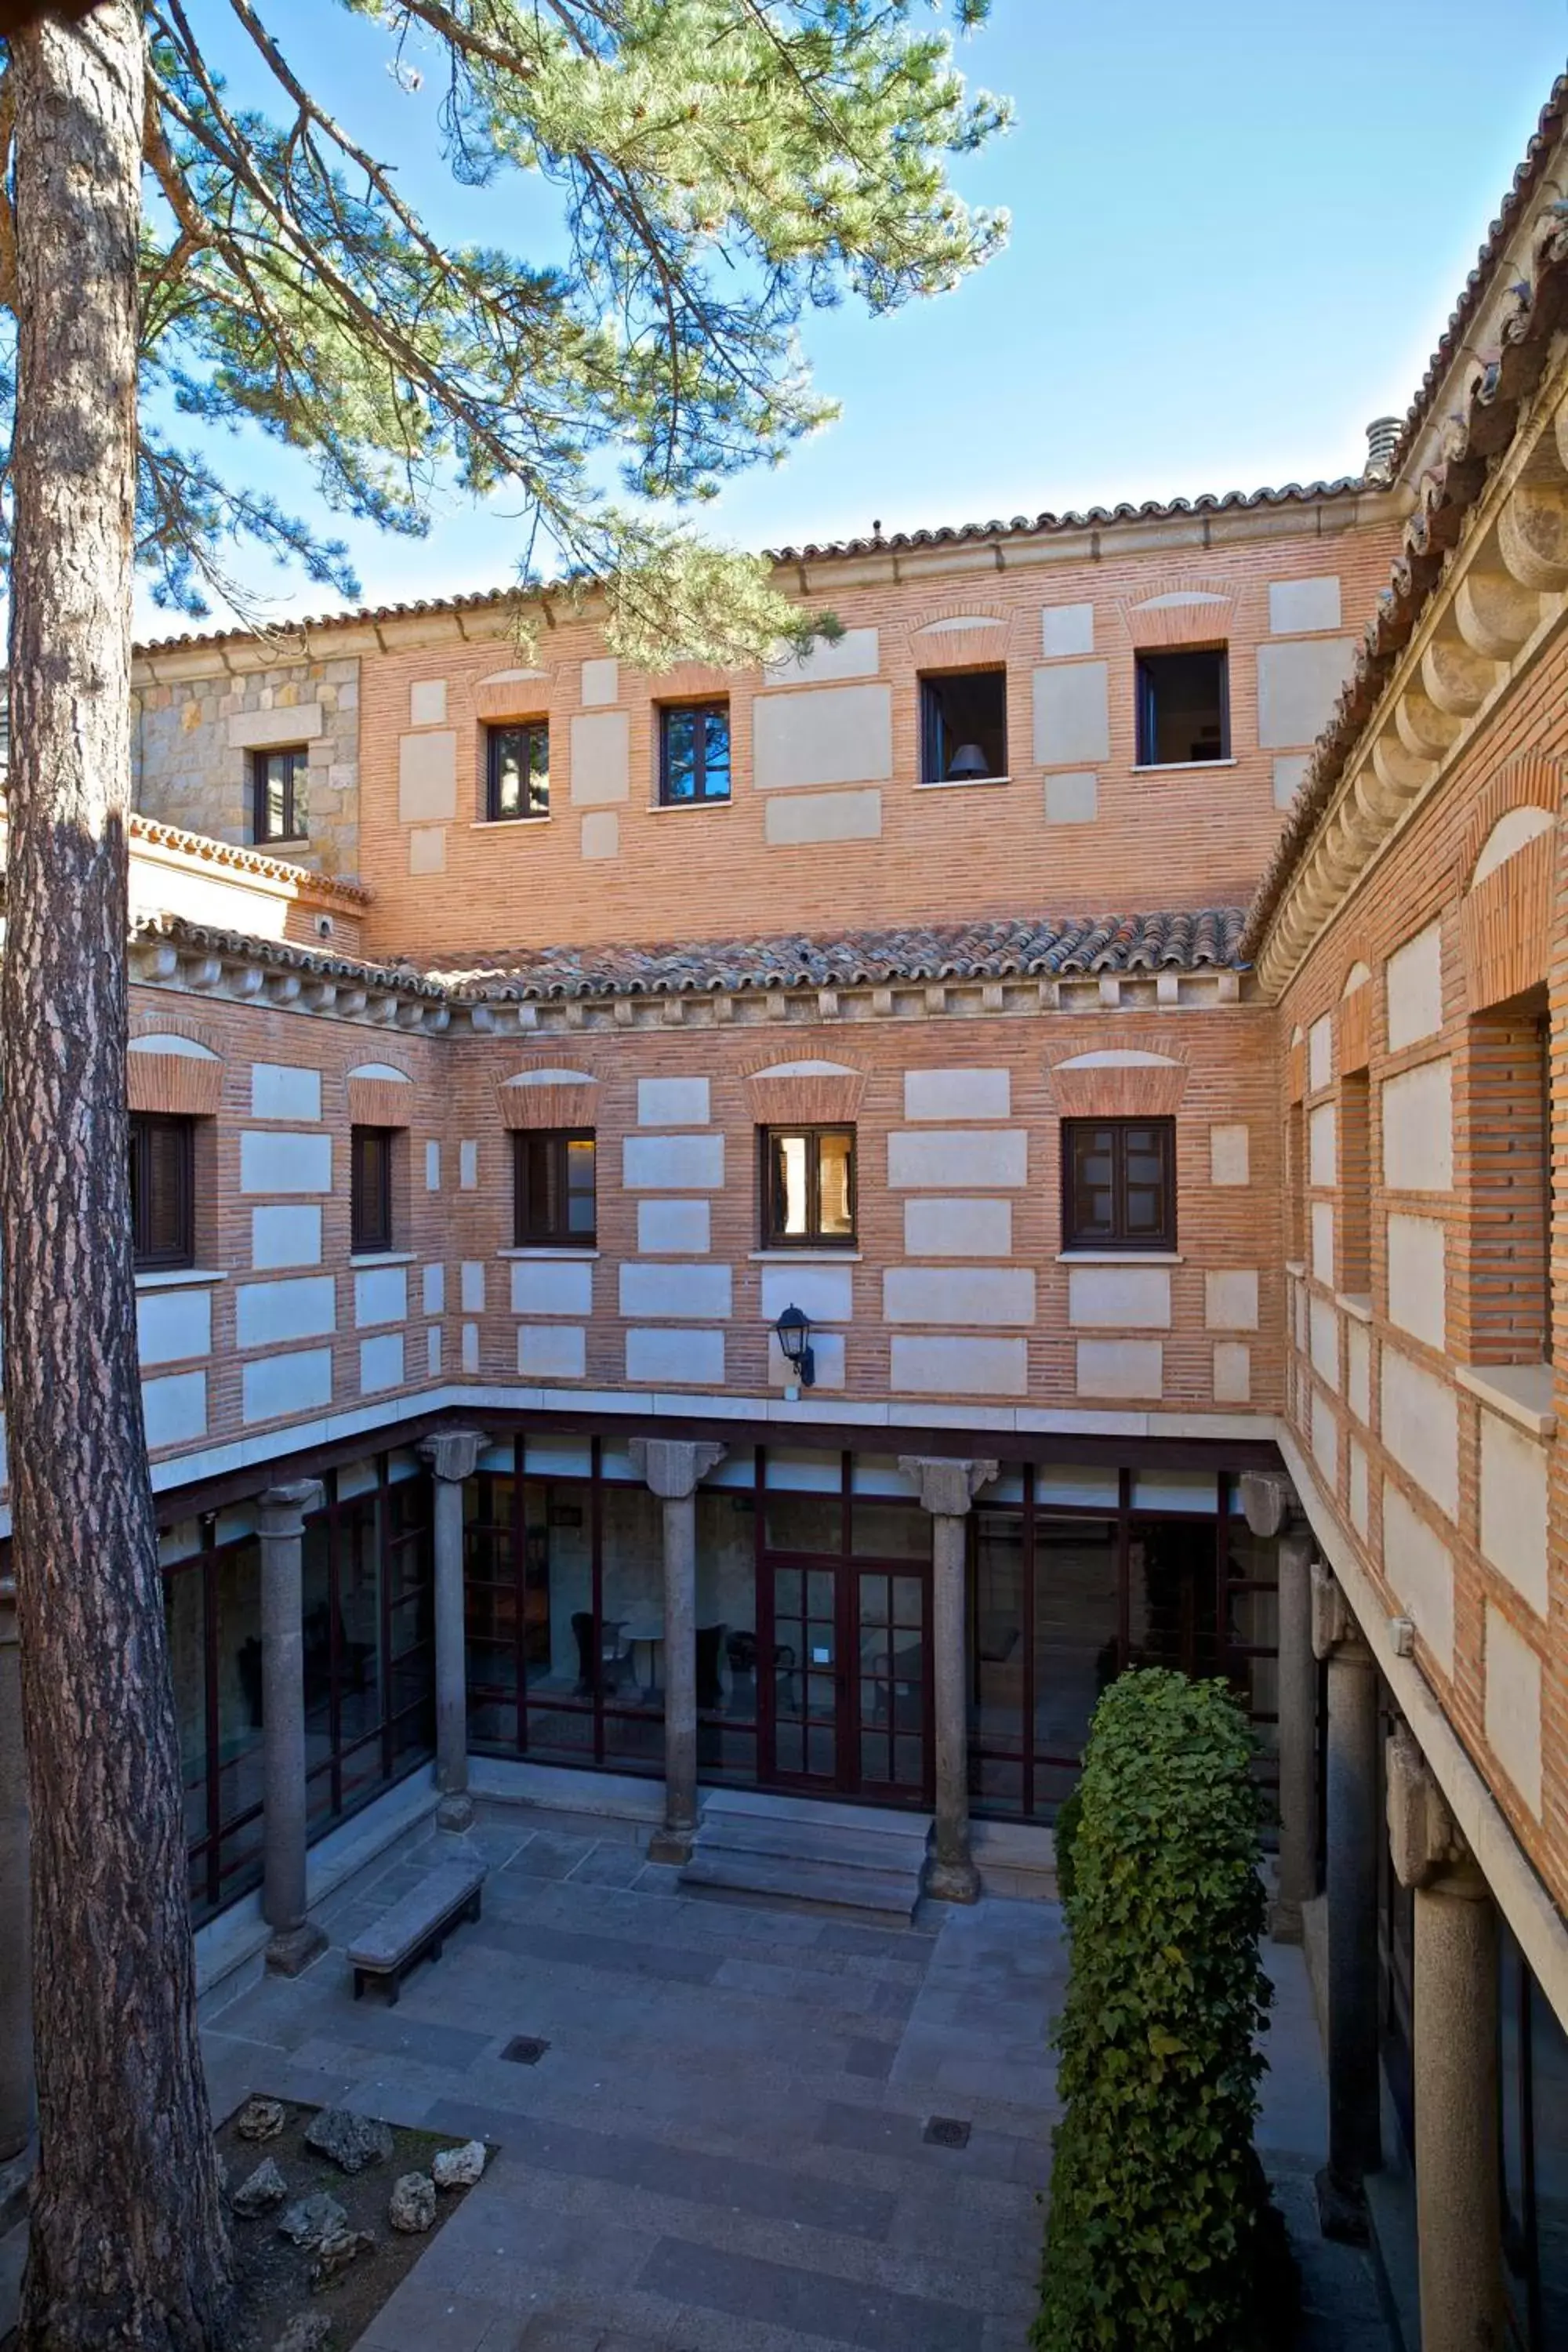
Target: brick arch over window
point(380, 1095)
point(547, 1094)
point(803, 1093)
point(969, 635)
point(1352, 1013)
point(168, 1071)
point(1118, 1082)
point(1508, 862)
point(1177, 611)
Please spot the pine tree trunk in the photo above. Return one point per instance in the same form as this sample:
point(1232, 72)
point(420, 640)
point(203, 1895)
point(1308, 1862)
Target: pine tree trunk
point(128, 2244)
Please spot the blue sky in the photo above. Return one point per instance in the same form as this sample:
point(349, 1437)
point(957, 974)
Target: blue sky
point(1237, 231)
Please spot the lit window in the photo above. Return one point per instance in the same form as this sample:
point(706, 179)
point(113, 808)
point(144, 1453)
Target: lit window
point(518, 771)
point(280, 793)
point(694, 752)
point(554, 1189)
point(963, 726)
point(808, 1186)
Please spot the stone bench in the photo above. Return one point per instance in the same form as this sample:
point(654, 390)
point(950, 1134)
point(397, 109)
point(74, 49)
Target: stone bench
point(416, 1926)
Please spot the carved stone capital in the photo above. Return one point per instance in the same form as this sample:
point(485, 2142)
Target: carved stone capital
point(1335, 1632)
point(453, 1453)
point(1269, 1501)
point(672, 1466)
point(947, 1486)
point(284, 1509)
point(1424, 1840)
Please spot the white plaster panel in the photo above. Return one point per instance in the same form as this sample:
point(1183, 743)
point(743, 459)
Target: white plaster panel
point(1121, 1367)
point(428, 778)
point(1072, 715)
point(471, 1285)
point(1231, 1372)
point(433, 1290)
point(1420, 1428)
point(173, 1325)
point(1361, 1502)
point(958, 1228)
point(432, 1167)
point(1118, 1298)
point(827, 1362)
point(268, 1313)
point(825, 1293)
point(672, 1102)
point(991, 1296)
point(467, 1167)
point(274, 1162)
point(673, 1228)
point(174, 1409)
point(1295, 606)
point(1323, 1241)
point(427, 702)
point(676, 1292)
point(1513, 1705)
point(1319, 1054)
point(1321, 1140)
point(1325, 1340)
point(1230, 1299)
point(1230, 1155)
point(1414, 982)
point(280, 1385)
point(1066, 629)
point(601, 756)
point(664, 1358)
point(264, 730)
point(1514, 1517)
point(1358, 1368)
point(281, 1090)
point(285, 1236)
point(826, 735)
point(804, 817)
point(381, 1363)
point(957, 1093)
point(427, 849)
point(470, 1344)
point(854, 655)
point(1419, 1567)
point(673, 1163)
point(1418, 1130)
point(552, 1352)
point(989, 1158)
point(1418, 1281)
point(433, 1352)
point(1289, 774)
point(1325, 1436)
point(599, 834)
point(929, 1366)
point(539, 1287)
point(601, 680)
point(381, 1296)
point(1072, 797)
point(1297, 684)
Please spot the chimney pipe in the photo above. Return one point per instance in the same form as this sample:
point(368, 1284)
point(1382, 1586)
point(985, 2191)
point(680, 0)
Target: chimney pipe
point(1381, 438)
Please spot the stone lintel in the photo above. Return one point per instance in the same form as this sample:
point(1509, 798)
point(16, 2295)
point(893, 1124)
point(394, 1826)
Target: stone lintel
point(672, 1466)
point(453, 1453)
point(947, 1486)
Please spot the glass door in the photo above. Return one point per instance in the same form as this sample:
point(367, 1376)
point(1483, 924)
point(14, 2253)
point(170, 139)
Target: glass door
point(799, 1672)
point(893, 1686)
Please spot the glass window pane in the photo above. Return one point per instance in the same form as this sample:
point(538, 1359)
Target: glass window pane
point(791, 1204)
point(716, 754)
point(538, 771)
point(298, 794)
point(835, 1159)
point(680, 755)
point(580, 1185)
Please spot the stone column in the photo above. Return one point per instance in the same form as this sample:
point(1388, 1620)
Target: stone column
point(947, 1489)
point(672, 1467)
point(15, 1965)
point(1269, 1503)
point(1356, 2145)
point(294, 1941)
point(1458, 2206)
point(451, 1454)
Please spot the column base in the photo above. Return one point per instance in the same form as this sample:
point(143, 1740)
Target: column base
point(671, 1845)
point(456, 1810)
point(1342, 2211)
point(1285, 1921)
point(291, 1949)
point(952, 1882)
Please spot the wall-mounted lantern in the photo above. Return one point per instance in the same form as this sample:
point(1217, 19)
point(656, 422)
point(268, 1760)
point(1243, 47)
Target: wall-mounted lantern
point(793, 1333)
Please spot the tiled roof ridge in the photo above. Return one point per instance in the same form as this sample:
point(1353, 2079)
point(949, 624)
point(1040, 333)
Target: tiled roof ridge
point(1476, 435)
point(247, 860)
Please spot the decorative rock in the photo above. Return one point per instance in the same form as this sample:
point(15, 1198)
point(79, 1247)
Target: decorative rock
point(260, 2119)
point(351, 2141)
point(413, 2206)
point(307, 2331)
point(334, 2254)
point(265, 2188)
point(459, 2167)
point(313, 2218)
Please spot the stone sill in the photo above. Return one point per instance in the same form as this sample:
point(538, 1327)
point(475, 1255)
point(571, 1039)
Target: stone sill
point(804, 1257)
point(1356, 1302)
point(367, 1258)
point(684, 808)
point(1120, 1257)
point(1178, 767)
point(1296, 1266)
point(570, 1253)
point(280, 848)
point(177, 1277)
point(956, 784)
point(1523, 1393)
point(499, 824)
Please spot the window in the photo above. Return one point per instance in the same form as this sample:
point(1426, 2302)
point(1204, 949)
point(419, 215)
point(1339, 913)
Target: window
point(517, 773)
point(1355, 1183)
point(163, 1193)
point(694, 752)
point(280, 793)
point(1183, 708)
point(370, 1189)
point(1118, 1184)
point(808, 1187)
point(554, 1189)
point(963, 726)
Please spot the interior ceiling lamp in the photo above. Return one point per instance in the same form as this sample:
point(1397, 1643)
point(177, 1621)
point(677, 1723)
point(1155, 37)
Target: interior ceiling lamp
point(968, 761)
point(792, 1330)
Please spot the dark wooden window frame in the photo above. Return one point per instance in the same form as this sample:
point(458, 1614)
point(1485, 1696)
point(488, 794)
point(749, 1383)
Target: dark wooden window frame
point(528, 728)
point(148, 1255)
point(774, 1236)
point(299, 757)
point(370, 1189)
point(1120, 1238)
point(532, 1228)
point(700, 797)
point(935, 750)
point(1147, 721)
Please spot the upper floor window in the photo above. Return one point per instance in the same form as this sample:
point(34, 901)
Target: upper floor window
point(693, 752)
point(370, 1189)
point(808, 1187)
point(1118, 1184)
point(517, 770)
point(162, 1191)
point(963, 726)
point(1183, 708)
point(280, 793)
point(554, 1203)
